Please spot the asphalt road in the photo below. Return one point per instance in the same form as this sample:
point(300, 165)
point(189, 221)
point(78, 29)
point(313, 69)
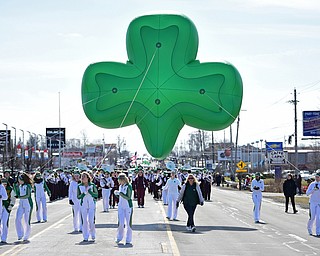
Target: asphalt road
point(225, 226)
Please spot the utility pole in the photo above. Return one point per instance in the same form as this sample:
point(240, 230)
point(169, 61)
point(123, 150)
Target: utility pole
point(294, 102)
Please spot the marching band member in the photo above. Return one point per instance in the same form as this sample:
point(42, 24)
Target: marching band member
point(24, 210)
point(40, 186)
point(125, 208)
point(140, 184)
point(172, 187)
point(87, 194)
point(257, 186)
point(314, 203)
point(106, 184)
point(7, 205)
point(75, 202)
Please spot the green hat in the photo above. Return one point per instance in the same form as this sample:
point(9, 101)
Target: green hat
point(258, 174)
point(317, 174)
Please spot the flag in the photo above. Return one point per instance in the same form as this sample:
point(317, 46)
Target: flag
point(134, 157)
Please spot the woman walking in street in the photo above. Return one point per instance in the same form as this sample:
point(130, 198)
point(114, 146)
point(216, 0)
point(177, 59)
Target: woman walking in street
point(124, 208)
point(23, 216)
point(191, 196)
point(40, 187)
point(289, 191)
point(87, 194)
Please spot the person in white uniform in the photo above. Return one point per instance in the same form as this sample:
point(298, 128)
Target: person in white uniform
point(40, 187)
point(87, 194)
point(75, 202)
point(313, 192)
point(106, 184)
point(23, 215)
point(257, 186)
point(3, 197)
point(125, 209)
point(7, 204)
point(172, 186)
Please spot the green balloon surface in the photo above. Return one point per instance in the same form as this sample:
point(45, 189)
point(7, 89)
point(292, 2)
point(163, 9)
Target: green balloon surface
point(162, 86)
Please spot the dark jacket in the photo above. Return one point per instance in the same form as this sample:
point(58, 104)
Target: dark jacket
point(289, 187)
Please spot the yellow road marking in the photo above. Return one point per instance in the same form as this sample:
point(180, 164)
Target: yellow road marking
point(174, 247)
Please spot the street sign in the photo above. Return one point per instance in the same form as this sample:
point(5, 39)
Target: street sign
point(241, 170)
point(241, 165)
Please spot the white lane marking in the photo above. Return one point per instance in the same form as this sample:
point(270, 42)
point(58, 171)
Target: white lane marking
point(300, 239)
point(174, 247)
point(290, 247)
point(11, 251)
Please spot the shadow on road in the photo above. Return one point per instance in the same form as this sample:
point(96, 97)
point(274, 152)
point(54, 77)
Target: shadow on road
point(179, 228)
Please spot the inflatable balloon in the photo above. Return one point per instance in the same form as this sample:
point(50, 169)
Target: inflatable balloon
point(162, 86)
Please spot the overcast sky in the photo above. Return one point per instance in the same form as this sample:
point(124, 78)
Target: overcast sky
point(45, 46)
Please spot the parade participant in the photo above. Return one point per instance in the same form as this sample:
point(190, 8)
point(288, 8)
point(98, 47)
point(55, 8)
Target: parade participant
point(207, 188)
point(157, 184)
point(289, 191)
point(3, 197)
point(257, 186)
point(23, 192)
point(40, 187)
point(191, 196)
point(114, 199)
point(87, 194)
point(314, 204)
point(75, 202)
point(106, 184)
point(7, 176)
point(164, 196)
point(140, 184)
point(7, 205)
point(125, 209)
point(172, 186)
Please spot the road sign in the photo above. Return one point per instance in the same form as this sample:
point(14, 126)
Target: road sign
point(241, 170)
point(241, 165)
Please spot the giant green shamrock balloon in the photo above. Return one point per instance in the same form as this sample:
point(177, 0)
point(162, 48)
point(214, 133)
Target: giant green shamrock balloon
point(162, 86)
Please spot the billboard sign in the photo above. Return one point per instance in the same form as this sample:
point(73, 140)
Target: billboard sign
point(53, 136)
point(274, 146)
point(3, 135)
point(311, 123)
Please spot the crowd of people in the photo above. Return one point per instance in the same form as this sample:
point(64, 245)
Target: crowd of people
point(118, 189)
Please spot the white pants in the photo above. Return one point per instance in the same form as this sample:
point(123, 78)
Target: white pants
point(314, 215)
point(77, 221)
point(172, 208)
point(23, 212)
point(105, 198)
point(88, 218)
point(165, 196)
point(4, 219)
point(256, 198)
point(41, 207)
point(124, 220)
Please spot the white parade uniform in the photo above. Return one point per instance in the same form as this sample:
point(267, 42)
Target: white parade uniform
point(125, 213)
point(41, 201)
point(257, 197)
point(87, 196)
point(106, 185)
point(5, 215)
point(24, 212)
point(314, 203)
point(73, 196)
point(173, 193)
point(3, 196)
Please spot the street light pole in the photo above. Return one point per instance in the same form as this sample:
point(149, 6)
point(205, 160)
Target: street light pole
point(6, 149)
point(22, 148)
point(14, 148)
